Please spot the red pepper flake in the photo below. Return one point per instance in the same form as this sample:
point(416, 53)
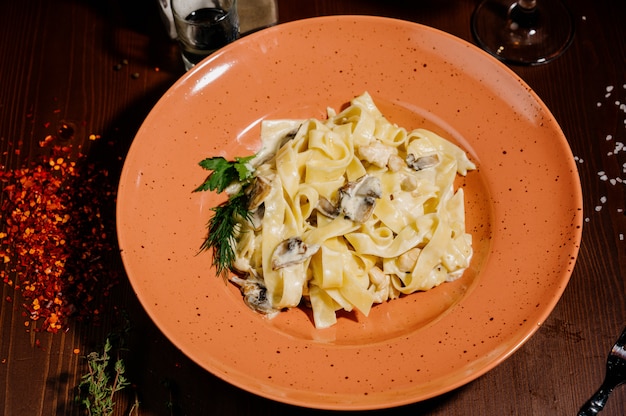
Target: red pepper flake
point(57, 237)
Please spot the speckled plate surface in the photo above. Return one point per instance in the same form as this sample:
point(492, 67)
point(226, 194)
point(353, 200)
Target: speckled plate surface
point(523, 207)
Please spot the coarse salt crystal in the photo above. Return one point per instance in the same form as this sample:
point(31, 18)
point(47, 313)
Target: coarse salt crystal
point(612, 181)
point(604, 178)
point(603, 199)
point(609, 88)
point(621, 237)
point(609, 137)
point(598, 208)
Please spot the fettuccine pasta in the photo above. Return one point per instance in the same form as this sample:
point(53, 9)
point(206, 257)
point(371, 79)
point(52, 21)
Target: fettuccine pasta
point(349, 212)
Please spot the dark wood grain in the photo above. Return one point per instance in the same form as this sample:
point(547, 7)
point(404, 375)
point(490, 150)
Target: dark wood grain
point(59, 65)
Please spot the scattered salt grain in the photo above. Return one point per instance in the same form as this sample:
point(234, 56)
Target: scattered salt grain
point(603, 199)
point(609, 137)
point(609, 88)
point(598, 208)
point(621, 237)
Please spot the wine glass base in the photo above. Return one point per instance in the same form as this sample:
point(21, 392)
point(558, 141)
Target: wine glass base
point(517, 36)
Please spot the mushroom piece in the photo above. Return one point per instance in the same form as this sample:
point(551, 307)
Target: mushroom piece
point(292, 251)
point(327, 208)
point(357, 199)
point(257, 192)
point(423, 162)
point(254, 294)
point(277, 132)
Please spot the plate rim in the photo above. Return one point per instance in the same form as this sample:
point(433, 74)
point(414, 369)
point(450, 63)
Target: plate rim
point(420, 27)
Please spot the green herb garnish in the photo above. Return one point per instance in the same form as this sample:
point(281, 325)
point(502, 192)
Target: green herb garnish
point(225, 173)
point(228, 216)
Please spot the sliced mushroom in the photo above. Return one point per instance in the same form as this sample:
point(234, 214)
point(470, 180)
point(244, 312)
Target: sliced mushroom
point(357, 199)
point(292, 251)
point(254, 294)
point(327, 208)
point(423, 162)
point(257, 192)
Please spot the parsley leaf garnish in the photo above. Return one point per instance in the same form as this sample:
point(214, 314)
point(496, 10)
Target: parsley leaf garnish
point(225, 172)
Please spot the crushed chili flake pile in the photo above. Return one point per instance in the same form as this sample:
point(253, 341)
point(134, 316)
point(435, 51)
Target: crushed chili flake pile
point(57, 236)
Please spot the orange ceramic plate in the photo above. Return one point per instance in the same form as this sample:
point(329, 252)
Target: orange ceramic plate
point(523, 207)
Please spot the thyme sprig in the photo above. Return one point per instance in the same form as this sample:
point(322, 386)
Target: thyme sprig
point(227, 217)
point(99, 385)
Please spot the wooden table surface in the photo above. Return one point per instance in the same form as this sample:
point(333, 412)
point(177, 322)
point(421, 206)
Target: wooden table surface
point(102, 65)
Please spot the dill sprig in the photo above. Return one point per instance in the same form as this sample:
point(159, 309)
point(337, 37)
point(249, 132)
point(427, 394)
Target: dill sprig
point(227, 217)
point(222, 228)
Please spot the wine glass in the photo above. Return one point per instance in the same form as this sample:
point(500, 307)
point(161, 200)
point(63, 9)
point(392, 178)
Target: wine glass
point(524, 32)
